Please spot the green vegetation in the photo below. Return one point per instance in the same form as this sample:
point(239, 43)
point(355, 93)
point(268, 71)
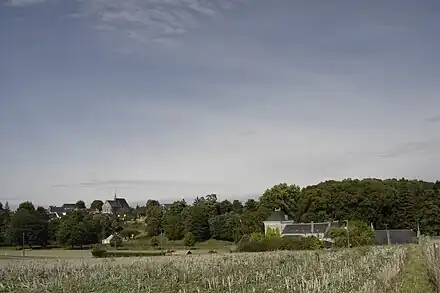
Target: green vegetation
point(208, 226)
point(259, 242)
point(431, 253)
point(358, 234)
point(371, 269)
point(395, 203)
point(414, 277)
point(100, 252)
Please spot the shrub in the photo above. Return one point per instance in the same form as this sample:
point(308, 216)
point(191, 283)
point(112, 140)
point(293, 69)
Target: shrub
point(311, 243)
point(116, 241)
point(129, 233)
point(132, 253)
point(251, 246)
point(272, 232)
point(189, 239)
point(257, 236)
point(358, 234)
point(258, 244)
point(290, 243)
point(154, 241)
point(98, 251)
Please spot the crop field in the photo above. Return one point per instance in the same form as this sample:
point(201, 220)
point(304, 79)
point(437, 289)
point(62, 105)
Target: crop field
point(370, 269)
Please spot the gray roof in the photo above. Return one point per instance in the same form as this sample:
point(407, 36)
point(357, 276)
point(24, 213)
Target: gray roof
point(118, 203)
point(320, 227)
point(397, 236)
point(123, 203)
point(305, 228)
point(277, 216)
point(114, 204)
point(69, 206)
point(58, 210)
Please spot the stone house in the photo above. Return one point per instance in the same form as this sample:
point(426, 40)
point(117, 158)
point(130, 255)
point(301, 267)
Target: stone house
point(278, 220)
point(115, 206)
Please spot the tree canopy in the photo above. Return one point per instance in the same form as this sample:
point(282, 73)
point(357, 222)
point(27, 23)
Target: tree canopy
point(392, 203)
point(96, 205)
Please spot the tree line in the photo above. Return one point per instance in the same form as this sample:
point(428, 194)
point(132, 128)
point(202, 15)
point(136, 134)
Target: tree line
point(34, 227)
point(392, 203)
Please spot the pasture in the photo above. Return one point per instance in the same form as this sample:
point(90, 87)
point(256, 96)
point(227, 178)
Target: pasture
point(365, 269)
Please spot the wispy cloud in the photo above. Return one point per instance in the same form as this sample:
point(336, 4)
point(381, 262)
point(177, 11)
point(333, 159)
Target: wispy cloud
point(152, 20)
point(433, 119)
point(22, 3)
point(123, 182)
point(426, 147)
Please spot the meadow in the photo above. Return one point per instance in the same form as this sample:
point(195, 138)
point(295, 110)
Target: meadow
point(364, 269)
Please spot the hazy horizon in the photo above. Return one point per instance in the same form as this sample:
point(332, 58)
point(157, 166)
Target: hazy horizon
point(182, 98)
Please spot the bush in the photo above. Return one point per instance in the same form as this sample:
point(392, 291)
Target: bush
point(116, 241)
point(251, 246)
point(189, 239)
point(98, 251)
point(257, 237)
point(311, 243)
point(132, 253)
point(154, 241)
point(291, 243)
point(358, 234)
point(129, 233)
point(257, 244)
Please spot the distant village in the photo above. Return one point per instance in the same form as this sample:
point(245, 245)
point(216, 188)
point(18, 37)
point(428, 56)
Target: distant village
point(117, 205)
point(277, 220)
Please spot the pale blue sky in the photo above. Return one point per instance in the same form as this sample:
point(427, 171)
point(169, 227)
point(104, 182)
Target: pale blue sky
point(180, 98)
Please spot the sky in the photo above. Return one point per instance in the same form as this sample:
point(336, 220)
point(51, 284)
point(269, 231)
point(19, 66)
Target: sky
point(171, 99)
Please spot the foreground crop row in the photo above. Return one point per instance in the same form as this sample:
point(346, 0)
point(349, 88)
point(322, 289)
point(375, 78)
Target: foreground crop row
point(355, 270)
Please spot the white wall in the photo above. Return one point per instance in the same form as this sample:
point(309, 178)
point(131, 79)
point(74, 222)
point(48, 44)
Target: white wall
point(276, 225)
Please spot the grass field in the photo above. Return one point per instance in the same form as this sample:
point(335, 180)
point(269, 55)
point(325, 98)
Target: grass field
point(372, 269)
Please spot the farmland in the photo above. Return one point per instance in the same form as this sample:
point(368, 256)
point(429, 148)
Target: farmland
point(365, 269)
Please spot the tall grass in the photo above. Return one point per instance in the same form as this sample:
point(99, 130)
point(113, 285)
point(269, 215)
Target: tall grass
point(431, 251)
point(342, 271)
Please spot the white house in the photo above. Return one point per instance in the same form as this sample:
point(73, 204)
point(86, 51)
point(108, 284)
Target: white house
point(279, 220)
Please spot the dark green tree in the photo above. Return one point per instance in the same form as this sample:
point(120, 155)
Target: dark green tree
point(96, 205)
point(80, 205)
point(27, 205)
point(189, 239)
point(283, 196)
point(251, 205)
point(357, 234)
point(197, 222)
point(77, 229)
point(173, 226)
point(153, 221)
point(237, 206)
point(5, 215)
point(225, 207)
point(23, 227)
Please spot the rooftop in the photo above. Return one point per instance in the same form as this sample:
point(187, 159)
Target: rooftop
point(277, 215)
